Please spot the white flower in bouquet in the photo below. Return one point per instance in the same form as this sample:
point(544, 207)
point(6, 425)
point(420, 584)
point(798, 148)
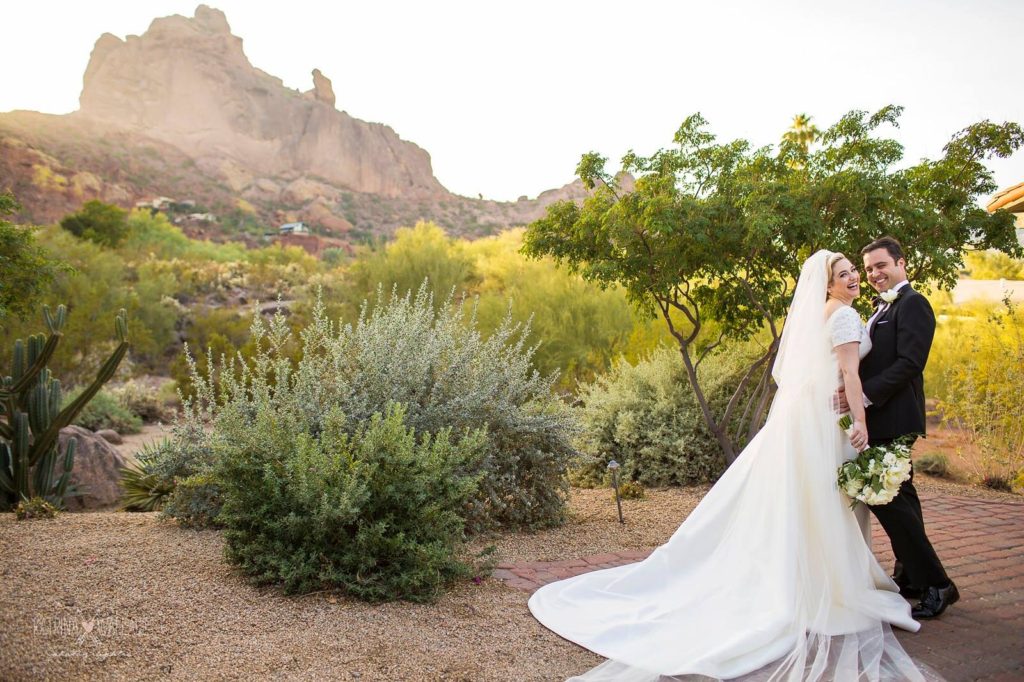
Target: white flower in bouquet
point(853, 487)
point(892, 478)
point(874, 477)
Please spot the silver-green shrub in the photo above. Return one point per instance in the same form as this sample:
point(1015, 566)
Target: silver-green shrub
point(645, 416)
point(437, 365)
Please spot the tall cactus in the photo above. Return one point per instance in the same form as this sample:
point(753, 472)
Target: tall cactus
point(30, 401)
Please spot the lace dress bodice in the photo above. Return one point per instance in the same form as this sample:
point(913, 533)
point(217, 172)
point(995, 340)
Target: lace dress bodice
point(845, 326)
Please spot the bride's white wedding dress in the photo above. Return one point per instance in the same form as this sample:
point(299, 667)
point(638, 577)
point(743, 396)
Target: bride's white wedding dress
point(771, 576)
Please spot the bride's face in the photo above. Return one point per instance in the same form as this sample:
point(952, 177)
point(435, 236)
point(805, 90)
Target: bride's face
point(845, 284)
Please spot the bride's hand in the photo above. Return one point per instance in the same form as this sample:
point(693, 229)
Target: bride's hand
point(859, 435)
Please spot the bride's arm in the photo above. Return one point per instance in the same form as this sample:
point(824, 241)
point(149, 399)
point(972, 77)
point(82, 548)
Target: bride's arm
point(849, 363)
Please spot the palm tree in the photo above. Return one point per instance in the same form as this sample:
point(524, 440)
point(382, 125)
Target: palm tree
point(802, 132)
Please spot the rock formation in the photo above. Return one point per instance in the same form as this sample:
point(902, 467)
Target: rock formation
point(180, 112)
point(186, 81)
point(322, 89)
point(96, 472)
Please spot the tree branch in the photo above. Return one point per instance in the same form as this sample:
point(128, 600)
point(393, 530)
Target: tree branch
point(708, 349)
point(746, 380)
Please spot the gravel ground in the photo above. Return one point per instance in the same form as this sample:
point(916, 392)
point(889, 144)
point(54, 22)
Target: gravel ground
point(130, 596)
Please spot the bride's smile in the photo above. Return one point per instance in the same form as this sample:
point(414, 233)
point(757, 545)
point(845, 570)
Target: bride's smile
point(845, 283)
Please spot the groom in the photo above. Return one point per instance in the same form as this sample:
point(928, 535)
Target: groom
point(901, 335)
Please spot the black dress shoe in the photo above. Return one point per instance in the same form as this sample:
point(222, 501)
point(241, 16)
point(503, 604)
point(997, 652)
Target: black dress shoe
point(935, 601)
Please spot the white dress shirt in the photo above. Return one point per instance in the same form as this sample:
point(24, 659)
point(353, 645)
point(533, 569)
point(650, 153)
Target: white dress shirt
point(885, 306)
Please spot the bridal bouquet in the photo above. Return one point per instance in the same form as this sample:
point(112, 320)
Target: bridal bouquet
point(875, 475)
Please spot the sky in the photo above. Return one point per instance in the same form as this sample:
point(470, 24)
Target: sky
point(506, 97)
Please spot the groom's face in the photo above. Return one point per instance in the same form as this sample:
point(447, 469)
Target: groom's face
point(883, 271)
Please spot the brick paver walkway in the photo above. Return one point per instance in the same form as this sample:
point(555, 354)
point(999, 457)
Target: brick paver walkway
point(980, 542)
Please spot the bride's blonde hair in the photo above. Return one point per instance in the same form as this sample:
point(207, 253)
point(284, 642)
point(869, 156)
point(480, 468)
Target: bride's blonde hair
point(830, 263)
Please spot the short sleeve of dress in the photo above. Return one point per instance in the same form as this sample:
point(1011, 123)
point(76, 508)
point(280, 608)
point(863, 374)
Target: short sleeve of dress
point(844, 326)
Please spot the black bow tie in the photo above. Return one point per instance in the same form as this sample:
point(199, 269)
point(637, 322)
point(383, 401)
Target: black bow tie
point(877, 301)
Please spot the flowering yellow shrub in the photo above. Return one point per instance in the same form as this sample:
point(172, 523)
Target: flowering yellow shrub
point(978, 364)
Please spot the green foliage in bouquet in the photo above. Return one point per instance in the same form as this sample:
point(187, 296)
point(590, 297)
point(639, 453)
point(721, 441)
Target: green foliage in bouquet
point(875, 475)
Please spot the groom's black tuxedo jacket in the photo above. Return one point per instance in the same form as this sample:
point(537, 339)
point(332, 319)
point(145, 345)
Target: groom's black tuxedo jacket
point(892, 373)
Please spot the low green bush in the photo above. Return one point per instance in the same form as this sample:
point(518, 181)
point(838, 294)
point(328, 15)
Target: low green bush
point(195, 502)
point(148, 402)
point(361, 456)
point(630, 490)
point(105, 411)
point(997, 482)
point(645, 416)
point(378, 512)
point(35, 508)
point(933, 464)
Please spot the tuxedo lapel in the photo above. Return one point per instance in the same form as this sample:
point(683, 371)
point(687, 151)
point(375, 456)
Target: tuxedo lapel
point(875, 319)
point(886, 315)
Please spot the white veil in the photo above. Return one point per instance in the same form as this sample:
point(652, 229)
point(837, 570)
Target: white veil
point(804, 351)
point(770, 577)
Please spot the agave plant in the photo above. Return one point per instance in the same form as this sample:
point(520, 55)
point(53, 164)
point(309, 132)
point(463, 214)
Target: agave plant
point(145, 490)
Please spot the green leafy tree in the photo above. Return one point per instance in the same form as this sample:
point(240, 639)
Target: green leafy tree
point(105, 224)
point(994, 265)
point(98, 281)
point(718, 231)
point(422, 252)
point(26, 269)
point(578, 328)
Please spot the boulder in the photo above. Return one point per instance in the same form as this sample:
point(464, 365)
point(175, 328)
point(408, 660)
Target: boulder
point(110, 435)
point(96, 471)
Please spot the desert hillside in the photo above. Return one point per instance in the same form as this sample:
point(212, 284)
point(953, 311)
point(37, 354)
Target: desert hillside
point(180, 112)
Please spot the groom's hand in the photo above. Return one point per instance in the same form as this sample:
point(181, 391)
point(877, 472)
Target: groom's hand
point(839, 403)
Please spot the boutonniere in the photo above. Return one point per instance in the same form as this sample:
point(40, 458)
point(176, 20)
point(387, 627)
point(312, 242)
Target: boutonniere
point(890, 295)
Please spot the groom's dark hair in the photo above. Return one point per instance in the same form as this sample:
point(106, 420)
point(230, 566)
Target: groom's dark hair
point(887, 243)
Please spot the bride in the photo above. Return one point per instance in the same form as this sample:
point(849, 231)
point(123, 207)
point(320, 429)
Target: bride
point(772, 576)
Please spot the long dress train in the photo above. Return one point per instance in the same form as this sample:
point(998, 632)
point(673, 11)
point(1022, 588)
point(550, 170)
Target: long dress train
point(770, 577)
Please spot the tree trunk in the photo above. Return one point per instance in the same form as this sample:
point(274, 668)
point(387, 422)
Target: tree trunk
point(719, 431)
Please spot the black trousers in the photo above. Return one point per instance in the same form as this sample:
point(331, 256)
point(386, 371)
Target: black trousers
point(903, 522)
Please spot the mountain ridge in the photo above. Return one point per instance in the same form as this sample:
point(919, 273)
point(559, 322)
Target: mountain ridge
point(181, 112)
